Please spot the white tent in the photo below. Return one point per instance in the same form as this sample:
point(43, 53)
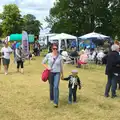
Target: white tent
point(94, 35)
point(62, 36)
point(62, 39)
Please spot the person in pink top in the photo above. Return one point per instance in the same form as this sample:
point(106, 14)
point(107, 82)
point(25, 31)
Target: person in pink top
point(83, 59)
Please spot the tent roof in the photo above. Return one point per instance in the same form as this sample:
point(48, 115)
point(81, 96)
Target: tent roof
point(63, 36)
point(18, 37)
point(94, 35)
point(15, 37)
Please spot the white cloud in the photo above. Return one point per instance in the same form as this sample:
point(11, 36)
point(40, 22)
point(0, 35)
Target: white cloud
point(39, 8)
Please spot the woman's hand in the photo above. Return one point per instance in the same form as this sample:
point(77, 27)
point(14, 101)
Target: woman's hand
point(48, 68)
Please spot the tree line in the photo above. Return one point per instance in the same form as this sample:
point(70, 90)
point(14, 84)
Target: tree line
point(79, 17)
point(13, 22)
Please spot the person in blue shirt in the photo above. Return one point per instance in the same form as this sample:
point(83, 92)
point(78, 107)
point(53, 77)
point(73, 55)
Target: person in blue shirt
point(73, 44)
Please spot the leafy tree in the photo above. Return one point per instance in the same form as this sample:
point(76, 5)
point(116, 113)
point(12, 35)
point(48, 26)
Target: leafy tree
point(0, 30)
point(82, 16)
point(31, 25)
point(11, 20)
point(115, 11)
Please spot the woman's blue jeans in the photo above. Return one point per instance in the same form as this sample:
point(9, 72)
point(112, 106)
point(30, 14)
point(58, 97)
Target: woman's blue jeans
point(54, 87)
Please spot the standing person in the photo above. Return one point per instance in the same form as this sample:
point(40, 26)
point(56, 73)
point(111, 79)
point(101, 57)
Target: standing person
point(38, 51)
point(112, 70)
point(49, 47)
point(6, 51)
point(73, 44)
point(35, 48)
point(74, 82)
point(55, 66)
point(20, 57)
point(14, 48)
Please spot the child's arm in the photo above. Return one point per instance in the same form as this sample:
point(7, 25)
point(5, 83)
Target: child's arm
point(68, 78)
point(79, 83)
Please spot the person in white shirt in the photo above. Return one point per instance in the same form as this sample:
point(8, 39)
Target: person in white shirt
point(6, 51)
point(100, 55)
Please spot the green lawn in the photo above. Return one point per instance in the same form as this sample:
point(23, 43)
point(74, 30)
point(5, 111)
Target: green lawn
point(26, 97)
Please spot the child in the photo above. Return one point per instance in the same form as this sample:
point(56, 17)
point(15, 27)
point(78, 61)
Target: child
point(74, 81)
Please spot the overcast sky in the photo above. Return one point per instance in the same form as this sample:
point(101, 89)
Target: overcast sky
point(39, 8)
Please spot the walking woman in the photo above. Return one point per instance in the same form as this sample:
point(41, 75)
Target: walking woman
point(55, 65)
point(20, 57)
point(6, 51)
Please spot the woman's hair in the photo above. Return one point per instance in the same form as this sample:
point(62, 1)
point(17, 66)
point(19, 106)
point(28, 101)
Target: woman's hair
point(54, 44)
point(116, 42)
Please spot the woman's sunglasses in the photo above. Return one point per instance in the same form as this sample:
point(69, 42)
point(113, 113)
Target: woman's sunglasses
point(55, 48)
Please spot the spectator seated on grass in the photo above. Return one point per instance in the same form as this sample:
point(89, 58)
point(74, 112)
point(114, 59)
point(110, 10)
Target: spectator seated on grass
point(74, 55)
point(83, 59)
point(92, 56)
point(100, 56)
point(66, 56)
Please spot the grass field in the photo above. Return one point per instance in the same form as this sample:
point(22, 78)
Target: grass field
point(26, 97)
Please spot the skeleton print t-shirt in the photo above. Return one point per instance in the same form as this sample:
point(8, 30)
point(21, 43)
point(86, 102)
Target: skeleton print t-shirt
point(74, 81)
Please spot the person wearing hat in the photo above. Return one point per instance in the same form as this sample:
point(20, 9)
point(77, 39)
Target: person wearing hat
point(74, 82)
point(20, 57)
point(6, 51)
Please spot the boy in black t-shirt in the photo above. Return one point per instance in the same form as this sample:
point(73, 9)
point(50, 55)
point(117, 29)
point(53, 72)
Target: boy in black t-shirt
point(74, 82)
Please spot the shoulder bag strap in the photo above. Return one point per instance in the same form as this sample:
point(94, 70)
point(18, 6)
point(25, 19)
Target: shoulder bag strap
point(54, 61)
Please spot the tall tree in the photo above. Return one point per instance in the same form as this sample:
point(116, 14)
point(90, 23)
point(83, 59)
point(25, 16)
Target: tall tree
point(0, 30)
point(31, 25)
point(11, 20)
point(82, 16)
point(115, 11)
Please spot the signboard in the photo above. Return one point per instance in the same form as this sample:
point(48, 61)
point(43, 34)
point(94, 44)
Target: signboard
point(25, 42)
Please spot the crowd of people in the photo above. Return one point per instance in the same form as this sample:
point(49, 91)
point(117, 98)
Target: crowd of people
point(53, 61)
point(110, 58)
point(97, 56)
point(19, 56)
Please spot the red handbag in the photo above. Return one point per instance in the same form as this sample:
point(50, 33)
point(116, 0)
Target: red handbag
point(46, 73)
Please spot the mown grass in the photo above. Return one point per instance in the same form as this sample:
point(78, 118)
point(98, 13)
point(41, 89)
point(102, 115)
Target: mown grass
point(26, 97)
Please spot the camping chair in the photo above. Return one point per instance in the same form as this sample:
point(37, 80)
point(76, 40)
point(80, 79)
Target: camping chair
point(66, 57)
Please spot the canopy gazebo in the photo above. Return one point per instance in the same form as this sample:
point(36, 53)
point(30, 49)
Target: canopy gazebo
point(94, 35)
point(62, 38)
